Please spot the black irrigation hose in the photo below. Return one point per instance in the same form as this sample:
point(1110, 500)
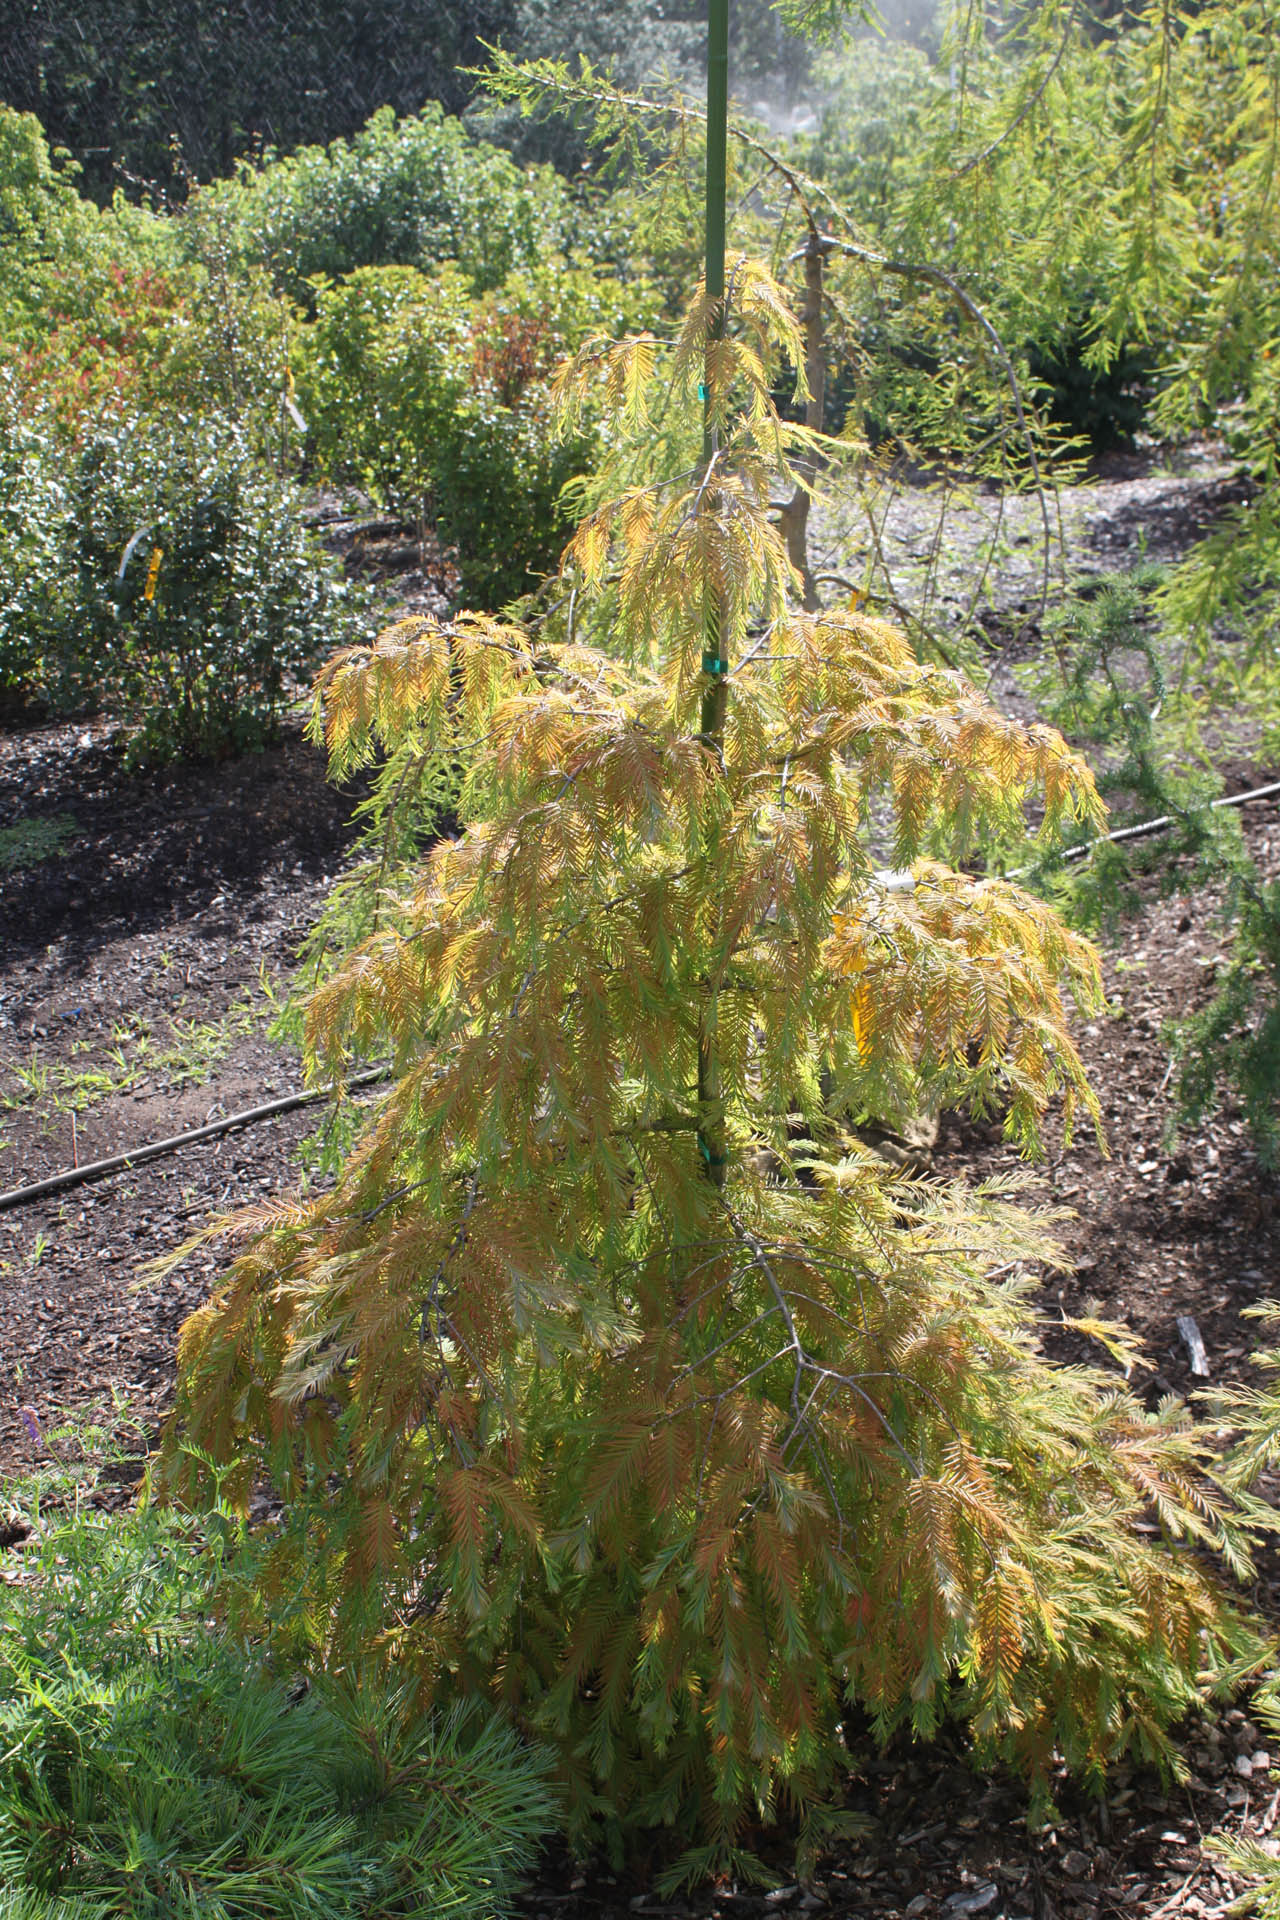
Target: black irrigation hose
point(1164, 820)
point(1161, 822)
point(155, 1149)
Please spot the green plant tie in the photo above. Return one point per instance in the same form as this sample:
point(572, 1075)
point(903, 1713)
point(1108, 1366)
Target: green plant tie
point(714, 663)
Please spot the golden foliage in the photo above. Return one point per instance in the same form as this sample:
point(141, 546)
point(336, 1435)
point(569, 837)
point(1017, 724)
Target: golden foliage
point(678, 1470)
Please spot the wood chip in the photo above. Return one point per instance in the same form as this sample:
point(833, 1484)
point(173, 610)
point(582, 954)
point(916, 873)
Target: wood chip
point(1190, 1334)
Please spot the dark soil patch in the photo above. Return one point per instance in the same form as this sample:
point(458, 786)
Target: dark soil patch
point(131, 1008)
point(947, 1842)
point(1157, 1228)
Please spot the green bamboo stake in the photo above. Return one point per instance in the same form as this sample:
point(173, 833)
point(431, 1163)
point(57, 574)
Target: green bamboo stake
point(711, 1137)
point(713, 661)
point(717, 152)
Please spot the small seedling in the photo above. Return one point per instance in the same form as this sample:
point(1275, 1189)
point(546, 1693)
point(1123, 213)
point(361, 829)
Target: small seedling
point(33, 1081)
point(28, 842)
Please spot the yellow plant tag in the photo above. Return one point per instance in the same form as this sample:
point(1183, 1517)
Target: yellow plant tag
point(857, 1013)
point(153, 573)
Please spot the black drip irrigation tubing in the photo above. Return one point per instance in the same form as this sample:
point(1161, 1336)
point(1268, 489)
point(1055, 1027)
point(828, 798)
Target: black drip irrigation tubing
point(156, 1149)
point(1160, 824)
point(248, 1116)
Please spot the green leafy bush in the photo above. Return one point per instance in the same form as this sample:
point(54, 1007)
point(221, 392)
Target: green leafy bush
point(152, 1768)
point(122, 310)
point(158, 570)
point(47, 231)
point(36, 594)
point(226, 600)
point(439, 405)
point(382, 370)
point(405, 192)
point(885, 146)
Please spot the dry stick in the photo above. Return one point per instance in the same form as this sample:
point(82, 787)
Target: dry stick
point(155, 1149)
point(795, 514)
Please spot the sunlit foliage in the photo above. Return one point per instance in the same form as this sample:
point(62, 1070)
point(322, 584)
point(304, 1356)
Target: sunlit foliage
point(679, 1458)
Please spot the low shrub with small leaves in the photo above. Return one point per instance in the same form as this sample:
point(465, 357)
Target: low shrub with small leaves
point(151, 1767)
point(439, 404)
point(36, 591)
point(162, 572)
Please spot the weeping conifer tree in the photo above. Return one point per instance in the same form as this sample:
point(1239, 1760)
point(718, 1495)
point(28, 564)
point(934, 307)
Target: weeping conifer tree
point(615, 1379)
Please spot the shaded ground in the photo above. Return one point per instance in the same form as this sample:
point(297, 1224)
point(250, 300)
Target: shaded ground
point(948, 1843)
point(136, 968)
point(132, 1007)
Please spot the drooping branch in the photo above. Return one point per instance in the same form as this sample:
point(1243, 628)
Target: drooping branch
point(937, 277)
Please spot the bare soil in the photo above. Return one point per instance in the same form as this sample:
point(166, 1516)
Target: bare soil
point(138, 956)
point(132, 1006)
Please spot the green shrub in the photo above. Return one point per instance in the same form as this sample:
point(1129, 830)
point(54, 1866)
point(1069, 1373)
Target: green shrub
point(382, 370)
point(36, 597)
point(1104, 400)
point(402, 192)
point(58, 252)
point(151, 1768)
point(106, 311)
point(201, 647)
point(439, 405)
point(228, 344)
point(158, 570)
